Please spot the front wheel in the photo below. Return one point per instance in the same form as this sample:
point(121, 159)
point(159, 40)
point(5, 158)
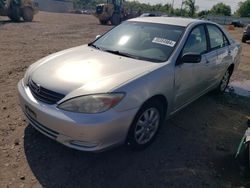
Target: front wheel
point(243, 40)
point(146, 124)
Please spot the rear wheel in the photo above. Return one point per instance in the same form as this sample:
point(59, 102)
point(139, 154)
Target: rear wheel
point(245, 159)
point(14, 14)
point(248, 155)
point(224, 82)
point(115, 19)
point(146, 124)
point(27, 14)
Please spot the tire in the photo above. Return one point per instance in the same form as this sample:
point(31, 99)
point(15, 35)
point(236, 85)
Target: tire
point(103, 22)
point(15, 13)
point(248, 156)
point(115, 19)
point(243, 157)
point(145, 128)
point(224, 82)
point(27, 14)
point(244, 40)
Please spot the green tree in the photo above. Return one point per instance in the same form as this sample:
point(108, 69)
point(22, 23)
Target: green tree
point(221, 9)
point(244, 9)
point(130, 6)
point(136, 6)
point(191, 8)
point(86, 3)
point(180, 12)
point(203, 13)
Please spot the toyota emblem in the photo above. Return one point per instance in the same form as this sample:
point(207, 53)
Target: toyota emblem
point(38, 89)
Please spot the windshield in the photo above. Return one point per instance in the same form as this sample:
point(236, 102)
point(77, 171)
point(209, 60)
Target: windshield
point(146, 41)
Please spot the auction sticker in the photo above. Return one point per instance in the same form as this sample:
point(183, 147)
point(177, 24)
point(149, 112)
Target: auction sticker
point(164, 41)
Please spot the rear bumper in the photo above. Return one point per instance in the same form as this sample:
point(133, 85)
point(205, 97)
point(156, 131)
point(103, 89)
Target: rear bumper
point(86, 132)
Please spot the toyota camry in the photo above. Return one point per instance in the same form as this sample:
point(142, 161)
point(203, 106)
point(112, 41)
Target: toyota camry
point(122, 86)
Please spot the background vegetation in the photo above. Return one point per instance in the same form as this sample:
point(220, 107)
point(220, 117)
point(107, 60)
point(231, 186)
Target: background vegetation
point(244, 9)
point(188, 8)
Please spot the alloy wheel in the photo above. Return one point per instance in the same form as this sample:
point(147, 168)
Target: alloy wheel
point(225, 81)
point(147, 125)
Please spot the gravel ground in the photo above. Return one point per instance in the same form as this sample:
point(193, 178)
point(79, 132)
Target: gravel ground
point(195, 148)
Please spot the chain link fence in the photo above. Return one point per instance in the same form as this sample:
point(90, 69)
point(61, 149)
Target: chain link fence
point(60, 6)
point(225, 20)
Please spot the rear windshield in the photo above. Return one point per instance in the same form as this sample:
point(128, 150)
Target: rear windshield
point(146, 41)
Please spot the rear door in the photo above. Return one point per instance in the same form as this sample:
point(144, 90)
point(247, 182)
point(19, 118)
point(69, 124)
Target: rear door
point(219, 45)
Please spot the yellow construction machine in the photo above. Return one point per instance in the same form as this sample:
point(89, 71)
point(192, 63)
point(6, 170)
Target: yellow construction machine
point(17, 9)
point(112, 11)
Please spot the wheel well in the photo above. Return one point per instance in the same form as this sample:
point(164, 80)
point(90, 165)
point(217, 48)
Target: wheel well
point(160, 98)
point(231, 69)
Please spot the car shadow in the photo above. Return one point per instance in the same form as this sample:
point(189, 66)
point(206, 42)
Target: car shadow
point(188, 152)
point(4, 22)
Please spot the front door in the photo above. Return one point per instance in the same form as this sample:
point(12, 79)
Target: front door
point(191, 78)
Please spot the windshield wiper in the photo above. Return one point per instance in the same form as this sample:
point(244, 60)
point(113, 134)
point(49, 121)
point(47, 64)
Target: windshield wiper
point(93, 45)
point(117, 52)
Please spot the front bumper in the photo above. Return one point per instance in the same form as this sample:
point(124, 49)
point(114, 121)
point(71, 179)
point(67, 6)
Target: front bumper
point(86, 132)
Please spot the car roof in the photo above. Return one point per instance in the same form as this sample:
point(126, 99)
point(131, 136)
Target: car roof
point(168, 20)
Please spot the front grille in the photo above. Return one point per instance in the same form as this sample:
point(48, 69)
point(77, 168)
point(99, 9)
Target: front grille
point(43, 94)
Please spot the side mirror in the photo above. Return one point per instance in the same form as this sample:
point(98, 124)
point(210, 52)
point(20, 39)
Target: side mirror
point(97, 36)
point(191, 58)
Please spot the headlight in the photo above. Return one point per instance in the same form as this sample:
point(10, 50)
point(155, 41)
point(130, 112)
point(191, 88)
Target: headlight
point(27, 74)
point(91, 104)
point(26, 77)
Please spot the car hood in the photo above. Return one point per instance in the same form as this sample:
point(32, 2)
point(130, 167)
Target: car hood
point(86, 70)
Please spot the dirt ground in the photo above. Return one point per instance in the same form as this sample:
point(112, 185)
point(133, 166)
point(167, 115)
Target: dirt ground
point(195, 148)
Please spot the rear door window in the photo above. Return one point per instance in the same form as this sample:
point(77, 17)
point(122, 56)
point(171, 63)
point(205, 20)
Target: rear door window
point(217, 38)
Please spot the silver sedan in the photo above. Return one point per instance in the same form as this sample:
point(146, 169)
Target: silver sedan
point(121, 87)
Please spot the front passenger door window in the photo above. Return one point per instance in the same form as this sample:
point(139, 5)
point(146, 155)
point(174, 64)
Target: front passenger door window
point(196, 42)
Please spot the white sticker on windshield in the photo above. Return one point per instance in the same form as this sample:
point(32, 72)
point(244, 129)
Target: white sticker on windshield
point(164, 41)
